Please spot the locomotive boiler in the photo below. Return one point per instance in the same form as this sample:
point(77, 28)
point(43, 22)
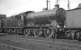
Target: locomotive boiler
point(40, 17)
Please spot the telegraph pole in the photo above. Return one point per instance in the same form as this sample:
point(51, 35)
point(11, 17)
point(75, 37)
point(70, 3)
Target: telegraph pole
point(47, 4)
point(57, 1)
point(68, 4)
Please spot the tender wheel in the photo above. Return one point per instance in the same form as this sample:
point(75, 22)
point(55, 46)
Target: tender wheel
point(70, 34)
point(78, 36)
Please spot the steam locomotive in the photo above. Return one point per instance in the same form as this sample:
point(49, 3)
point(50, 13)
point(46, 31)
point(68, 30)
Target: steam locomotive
point(56, 23)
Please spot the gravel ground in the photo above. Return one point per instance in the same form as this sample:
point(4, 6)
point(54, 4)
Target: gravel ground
point(4, 48)
point(32, 44)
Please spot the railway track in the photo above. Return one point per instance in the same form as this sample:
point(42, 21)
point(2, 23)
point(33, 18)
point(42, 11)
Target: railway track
point(35, 44)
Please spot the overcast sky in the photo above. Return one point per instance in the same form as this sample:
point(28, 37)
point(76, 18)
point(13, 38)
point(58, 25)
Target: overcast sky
point(12, 7)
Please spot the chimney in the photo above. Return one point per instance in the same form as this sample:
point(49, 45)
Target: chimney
point(79, 6)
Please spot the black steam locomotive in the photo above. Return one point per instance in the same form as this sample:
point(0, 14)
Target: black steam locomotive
point(56, 23)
